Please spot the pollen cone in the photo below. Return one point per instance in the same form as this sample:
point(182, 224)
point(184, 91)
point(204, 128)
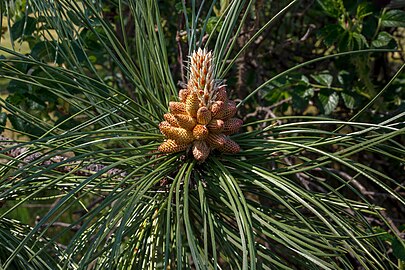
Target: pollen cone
point(230, 147)
point(232, 126)
point(216, 140)
point(185, 121)
point(200, 132)
point(200, 150)
point(217, 109)
point(221, 94)
point(183, 94)
point(177, 107)
point(171, 119)
point(180, 135)
point(192, 104)
point(230, 110)
point(163, 127)
point(203, 116)
point(216, 126)
point(170, 146)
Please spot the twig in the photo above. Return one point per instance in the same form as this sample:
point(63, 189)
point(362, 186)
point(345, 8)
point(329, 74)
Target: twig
point(73, 228)
point(180, 57)
point(281, 102)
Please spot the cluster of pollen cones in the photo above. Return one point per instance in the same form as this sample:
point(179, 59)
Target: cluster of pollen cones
point(203, 118)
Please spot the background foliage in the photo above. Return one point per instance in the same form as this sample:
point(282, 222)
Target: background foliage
point(320, 180)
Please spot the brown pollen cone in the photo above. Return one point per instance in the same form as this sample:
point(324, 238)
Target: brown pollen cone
point(216, 126)
point(230, 147)
point(183, 94)
point(203, 119)
point(200, 150)
point(177, 107)
point(232, 125)
point(230, 110)
point(221, 94)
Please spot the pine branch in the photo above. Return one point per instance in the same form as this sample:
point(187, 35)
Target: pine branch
point(11, 149)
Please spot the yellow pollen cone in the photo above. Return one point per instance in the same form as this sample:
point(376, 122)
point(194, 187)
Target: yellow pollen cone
point(163, 127)
point(203, 118)
point(192, 104)
point(200, 132)
point(180, 135)
point(170, 146)
point(185, 121)
point(171, 119)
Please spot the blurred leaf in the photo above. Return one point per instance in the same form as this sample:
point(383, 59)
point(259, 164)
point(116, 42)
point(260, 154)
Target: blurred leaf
point(398, 249)
point(382, 40)
point(329, 101)
point(360, 41)
point(304, 79)
point(24, 126)
point(369, 26)
point(299, 103)
point(300, 96)
point(23, 27)
point(383, 234)
point(348, 100)
point(363, 10)
point(345, 42)
point(344, 77)
point(330, 7)
point(3, 120)
point(91, 41)
point(212, 23)
point(77, 49)
point(179, 7)
point(393, 18)
point(16, 86)
point(323, 79)
point(331, 33)
point(308, 93)
point(45, 51)
point(351, 41)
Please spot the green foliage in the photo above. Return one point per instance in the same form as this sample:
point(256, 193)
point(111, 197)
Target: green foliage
point(95, 84)
point(359, 26)
point(393, 18)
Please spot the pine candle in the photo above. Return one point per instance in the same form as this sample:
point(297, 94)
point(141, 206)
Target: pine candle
point(203, 118)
